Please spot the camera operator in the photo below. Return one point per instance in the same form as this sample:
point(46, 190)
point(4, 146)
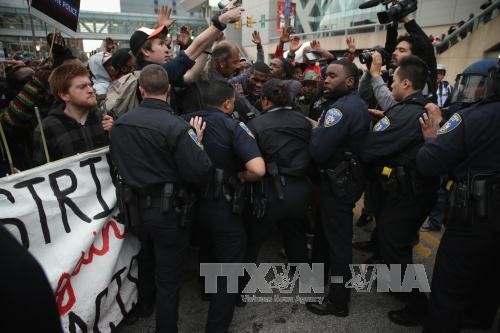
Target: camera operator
point(416, 42)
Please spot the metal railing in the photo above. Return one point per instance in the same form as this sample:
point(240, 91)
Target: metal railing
point(92, 25)
point(488, 14)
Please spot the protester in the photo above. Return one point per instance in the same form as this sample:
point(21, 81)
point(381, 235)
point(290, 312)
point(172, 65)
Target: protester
point(74, 126)
point(102, 70)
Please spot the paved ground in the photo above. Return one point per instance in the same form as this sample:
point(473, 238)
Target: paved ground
point(367, 310)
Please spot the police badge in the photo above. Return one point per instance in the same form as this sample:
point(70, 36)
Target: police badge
point(333, 117)
point(382, 125)
point(451, 124)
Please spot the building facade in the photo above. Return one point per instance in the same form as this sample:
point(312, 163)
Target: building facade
point(318, 15)
point(150, 7)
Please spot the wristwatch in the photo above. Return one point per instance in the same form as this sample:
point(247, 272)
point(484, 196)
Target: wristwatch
point(218, 24)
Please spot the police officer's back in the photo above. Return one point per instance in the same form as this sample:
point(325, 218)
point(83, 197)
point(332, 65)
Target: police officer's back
point(343, 123)
point(282, 196)
point(406, 196)
point(152, 146)
point(157, 154)
point(237, 159)
point(467, 147)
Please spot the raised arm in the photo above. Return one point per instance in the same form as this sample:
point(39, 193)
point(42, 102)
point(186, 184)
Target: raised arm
point(210, 35)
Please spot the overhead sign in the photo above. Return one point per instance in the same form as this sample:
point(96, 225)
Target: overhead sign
point(62, 14)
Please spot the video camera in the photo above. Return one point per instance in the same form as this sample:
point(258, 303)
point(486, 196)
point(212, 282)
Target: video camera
point(394, 13)
point(366, 56)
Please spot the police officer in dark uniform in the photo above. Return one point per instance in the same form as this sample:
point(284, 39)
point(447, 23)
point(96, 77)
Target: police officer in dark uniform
point(407, 196)
point(464, 289)
point(282, 196)
point(344, 122)
point(158, 155)
point(237, 159)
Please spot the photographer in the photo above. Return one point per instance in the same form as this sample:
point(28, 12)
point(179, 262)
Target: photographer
point(416, 42)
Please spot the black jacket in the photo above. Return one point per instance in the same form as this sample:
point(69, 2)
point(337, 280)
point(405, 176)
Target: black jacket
point(283, 136)
point(396, 138)
point(152, 146)
point(66, 137)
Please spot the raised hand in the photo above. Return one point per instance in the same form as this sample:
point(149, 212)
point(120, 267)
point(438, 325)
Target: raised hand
point(256, 38)
point(351, 45)
point(232, 15)
point(163, 17)
point(199, 126)
point(376, 66)
point(183, 36)
point(315, 45)
point(285, 35)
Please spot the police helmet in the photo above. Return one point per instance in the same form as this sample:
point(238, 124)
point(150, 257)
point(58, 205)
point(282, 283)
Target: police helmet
point(470, 86)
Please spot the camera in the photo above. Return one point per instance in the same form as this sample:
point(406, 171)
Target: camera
point(397, 11)
point(366, 56)
point(223, 4)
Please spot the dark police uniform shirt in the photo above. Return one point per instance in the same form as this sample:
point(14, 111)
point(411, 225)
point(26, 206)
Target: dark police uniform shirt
point(230, 144)
point(468, 141)
point(342, 125)
point(151, 146)
point(283, 136)
point(396, 138)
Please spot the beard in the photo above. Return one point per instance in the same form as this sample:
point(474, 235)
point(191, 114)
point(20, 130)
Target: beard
point(335, 94)
point(88, 103)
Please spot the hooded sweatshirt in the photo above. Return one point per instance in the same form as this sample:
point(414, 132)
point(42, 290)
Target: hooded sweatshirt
point(100, 77)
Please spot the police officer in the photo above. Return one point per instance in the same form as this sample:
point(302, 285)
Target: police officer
point(282, 196)
point(407, 196)
point(158, 155)
point(237, 159)
point(334, 142)
point(468, 147)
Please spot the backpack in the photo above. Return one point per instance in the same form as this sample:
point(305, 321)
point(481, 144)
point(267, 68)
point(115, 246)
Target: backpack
point(122, 95)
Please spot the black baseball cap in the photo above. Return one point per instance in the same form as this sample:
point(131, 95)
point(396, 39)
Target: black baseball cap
point(142, 34)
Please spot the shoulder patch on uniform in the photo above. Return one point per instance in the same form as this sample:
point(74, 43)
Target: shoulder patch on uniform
point(333, 117)
point(382, 124)
point(246, 129)
point(194, 137)
point(451, 124)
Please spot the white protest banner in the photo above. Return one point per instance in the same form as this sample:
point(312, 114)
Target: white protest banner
point(64, 214)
